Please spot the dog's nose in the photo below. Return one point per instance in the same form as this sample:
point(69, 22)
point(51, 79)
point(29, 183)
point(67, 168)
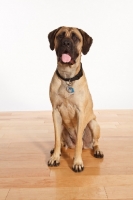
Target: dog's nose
point(66, 43)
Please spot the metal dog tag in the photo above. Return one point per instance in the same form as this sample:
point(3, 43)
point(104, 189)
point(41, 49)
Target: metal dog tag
point(70, 89)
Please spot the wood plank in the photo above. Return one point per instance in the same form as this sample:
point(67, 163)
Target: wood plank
point(67, 172)
point(118, 132)
point(1, 135)
point(57, 193)
point(120, 192)
point(119, 111)
point(24, 172)
point(78, 180)
point(16, 134)
point(3, 193)
point(42, 182)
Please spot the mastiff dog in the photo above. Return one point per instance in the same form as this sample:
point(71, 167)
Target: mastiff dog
point(74, 121)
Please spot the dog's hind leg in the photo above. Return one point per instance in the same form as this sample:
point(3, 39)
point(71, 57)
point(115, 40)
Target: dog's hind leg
point(87, 138)
point(95, 128)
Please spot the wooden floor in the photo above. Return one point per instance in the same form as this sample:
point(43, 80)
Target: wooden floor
point(26, 139)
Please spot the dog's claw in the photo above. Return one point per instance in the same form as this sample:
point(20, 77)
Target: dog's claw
point(98, 154)
point(78, 165)
point(53, 164)
point(77, 168)
point(56, 164)
point(54, 159)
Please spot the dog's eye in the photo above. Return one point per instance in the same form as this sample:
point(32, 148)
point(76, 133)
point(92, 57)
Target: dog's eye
point(75, 38)
point(60, 36)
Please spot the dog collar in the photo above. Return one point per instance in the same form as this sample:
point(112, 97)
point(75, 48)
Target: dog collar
point(77, 77)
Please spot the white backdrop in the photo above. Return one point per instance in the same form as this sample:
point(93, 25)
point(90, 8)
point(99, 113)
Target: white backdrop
point(27, 64)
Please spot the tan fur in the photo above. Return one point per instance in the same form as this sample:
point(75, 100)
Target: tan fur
point(72, 111)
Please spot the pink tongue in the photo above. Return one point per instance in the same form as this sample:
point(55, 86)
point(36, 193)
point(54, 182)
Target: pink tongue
point(65, 58)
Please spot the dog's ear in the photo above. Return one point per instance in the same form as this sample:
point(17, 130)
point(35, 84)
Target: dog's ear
point(51, 37)
point(87, 41)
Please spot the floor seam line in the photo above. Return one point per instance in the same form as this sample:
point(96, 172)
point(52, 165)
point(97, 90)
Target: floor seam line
point(7, 193)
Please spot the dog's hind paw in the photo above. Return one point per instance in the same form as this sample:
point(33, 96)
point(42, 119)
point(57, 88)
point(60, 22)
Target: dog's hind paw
point(98, 154)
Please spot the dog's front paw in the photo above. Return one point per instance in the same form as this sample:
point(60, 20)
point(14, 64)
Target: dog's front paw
point(54, 161)
point(78, 165)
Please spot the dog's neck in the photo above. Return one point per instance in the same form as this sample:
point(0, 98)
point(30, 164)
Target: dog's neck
point(68, 71)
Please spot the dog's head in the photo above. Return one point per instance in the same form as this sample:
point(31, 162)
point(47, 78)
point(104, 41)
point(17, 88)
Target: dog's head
point(68, 43)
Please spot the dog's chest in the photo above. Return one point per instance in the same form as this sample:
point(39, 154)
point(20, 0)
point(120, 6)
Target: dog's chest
point(67, 107)
point(68, 113)
point(64, 92)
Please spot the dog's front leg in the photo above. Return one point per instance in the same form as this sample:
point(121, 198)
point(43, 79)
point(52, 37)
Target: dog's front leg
point(78, 163)
point(55, 157)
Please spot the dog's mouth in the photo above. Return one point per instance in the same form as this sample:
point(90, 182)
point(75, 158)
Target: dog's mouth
point(65, 58)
